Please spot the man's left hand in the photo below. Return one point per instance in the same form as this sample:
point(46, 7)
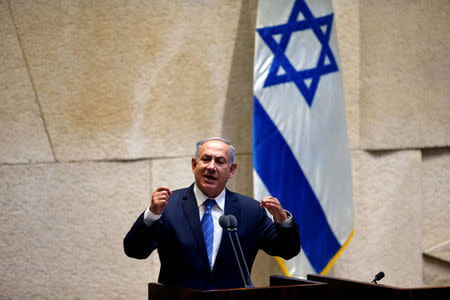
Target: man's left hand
point(274, 207)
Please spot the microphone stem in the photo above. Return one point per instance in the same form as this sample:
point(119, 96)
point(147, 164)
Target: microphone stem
point(250, 283)
point(237, 259)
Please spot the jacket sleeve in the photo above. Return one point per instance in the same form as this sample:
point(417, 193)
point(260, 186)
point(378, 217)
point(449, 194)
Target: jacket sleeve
point(277, 240)
point(141, 240)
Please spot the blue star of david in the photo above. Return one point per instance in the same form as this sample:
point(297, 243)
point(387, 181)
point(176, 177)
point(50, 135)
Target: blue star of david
point(300, 77)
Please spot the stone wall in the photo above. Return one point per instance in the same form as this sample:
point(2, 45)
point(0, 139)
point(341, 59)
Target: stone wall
point(102, 101)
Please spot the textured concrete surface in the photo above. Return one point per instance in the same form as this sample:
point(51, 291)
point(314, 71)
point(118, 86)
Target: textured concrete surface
point(436, 211)
point(62, 230)
point(405, 74)
point(388, 216)
point(22, 133)
point(175, 173)
point(348, 33)
point(436, 272)
point(436, 202)
point(124, 80)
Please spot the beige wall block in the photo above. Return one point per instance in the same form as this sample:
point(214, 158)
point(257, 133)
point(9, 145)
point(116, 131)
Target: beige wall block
point(436, 200)
point(404, 74)
point(11, 54)
point(22, 133)
point(434, 81)
point(436, 272)
point(347, 27)
point(436, 211)
point(132, 80)
point(175, 173)
point(388, 219)
point(62, 227)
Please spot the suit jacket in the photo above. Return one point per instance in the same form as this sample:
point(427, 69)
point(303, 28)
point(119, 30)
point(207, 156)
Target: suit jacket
point(181, 247)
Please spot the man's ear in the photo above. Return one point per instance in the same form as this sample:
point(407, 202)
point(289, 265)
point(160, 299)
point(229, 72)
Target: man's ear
point(193, 164)
point(233, 169)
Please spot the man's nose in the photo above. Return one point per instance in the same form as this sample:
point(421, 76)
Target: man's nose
point(212, 165)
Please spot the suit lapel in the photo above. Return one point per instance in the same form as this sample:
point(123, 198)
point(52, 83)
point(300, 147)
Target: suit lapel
point(231, 208)
point(191, 214)
point(231, 204)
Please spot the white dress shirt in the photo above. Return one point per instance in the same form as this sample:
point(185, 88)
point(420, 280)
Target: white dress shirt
point(216, 211)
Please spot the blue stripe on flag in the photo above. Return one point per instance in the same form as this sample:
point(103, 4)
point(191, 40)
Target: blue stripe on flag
point(277, 167)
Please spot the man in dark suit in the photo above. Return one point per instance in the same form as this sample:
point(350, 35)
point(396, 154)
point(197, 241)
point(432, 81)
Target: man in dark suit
point(183, 225)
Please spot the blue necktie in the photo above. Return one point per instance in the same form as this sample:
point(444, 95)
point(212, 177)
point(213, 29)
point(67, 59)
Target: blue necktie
point(208, 228)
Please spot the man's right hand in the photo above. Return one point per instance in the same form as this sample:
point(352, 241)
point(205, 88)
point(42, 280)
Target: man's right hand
point(160, 199)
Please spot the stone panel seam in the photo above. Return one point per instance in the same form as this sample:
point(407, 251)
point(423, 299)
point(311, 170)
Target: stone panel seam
point(32, 82)
point(113, 160)
point(395, 149)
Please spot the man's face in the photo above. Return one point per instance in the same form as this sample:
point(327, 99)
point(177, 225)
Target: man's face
point(212, 170)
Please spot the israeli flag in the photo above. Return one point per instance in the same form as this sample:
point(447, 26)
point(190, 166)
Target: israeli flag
point(300, 146)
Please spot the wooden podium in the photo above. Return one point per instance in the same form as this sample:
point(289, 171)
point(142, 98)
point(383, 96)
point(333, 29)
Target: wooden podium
point(339, 288)
point(316, 287)
point(281, 288)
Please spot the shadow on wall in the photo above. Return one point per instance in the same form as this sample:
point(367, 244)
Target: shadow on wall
point(237, 120)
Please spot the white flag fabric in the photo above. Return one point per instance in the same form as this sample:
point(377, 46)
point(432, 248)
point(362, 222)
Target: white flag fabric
point(300, 144)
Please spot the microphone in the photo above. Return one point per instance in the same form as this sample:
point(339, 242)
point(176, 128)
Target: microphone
point(379, 276)
point(233, 222)
point(233, 227)
point(224, 222)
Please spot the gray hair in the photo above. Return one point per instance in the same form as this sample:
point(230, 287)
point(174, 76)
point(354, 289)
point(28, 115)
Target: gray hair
point(200, 143)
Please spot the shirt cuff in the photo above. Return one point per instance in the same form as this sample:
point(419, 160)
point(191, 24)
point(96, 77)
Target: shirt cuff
point(149, 217)
point(288, 223)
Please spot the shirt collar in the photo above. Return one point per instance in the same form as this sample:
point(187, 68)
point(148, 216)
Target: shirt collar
point(200, 198)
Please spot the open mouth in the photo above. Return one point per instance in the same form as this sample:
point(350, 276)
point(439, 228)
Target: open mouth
point(209, 177)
